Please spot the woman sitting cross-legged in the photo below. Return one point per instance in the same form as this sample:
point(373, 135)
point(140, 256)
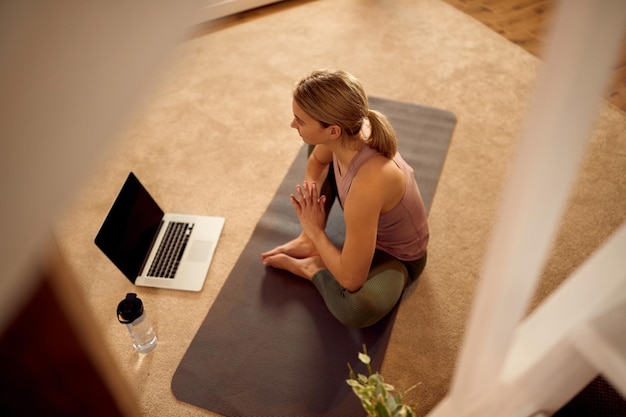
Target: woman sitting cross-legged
point(354, 156)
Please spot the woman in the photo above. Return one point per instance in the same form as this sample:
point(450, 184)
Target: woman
point(355, 153)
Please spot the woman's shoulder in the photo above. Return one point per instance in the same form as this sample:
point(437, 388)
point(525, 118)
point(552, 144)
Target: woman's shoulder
point(379, 170)
point(380, 184)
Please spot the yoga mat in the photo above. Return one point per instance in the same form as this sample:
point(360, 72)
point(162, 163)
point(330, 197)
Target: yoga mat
point(268, 346)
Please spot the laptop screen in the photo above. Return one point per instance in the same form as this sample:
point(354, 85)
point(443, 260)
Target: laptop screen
point(130, 228)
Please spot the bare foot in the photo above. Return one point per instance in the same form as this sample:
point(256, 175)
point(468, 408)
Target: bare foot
point(304, 267)
point(300, 247)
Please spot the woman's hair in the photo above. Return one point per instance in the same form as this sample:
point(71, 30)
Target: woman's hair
point(338, 98)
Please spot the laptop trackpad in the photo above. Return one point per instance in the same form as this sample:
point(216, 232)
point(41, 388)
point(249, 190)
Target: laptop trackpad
point(200, 250)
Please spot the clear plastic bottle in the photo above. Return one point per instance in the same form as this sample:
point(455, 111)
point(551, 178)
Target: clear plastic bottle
point(130, 312)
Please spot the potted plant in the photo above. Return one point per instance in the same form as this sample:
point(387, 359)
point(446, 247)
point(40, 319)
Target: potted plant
point(379, 399)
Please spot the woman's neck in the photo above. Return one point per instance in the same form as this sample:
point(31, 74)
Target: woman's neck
point(345, 153)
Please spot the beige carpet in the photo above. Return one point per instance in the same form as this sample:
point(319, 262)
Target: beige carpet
point(219, 122)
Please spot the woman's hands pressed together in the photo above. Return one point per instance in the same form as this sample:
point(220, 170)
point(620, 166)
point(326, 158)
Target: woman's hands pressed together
point(300, 256)
point(309, 206)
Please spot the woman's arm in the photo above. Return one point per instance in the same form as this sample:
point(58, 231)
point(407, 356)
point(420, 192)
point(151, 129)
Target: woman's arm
point(377, 187)
point(317, 164)
point(350, 265)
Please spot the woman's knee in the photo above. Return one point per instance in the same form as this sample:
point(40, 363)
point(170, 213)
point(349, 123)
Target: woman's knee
point(373, 301)
point(378, 296)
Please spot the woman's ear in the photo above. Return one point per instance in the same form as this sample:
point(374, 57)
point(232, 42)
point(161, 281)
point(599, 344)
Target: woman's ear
point(335, 131)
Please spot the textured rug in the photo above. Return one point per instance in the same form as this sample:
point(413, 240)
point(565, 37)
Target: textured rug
point(268, 346)
point(219, 122)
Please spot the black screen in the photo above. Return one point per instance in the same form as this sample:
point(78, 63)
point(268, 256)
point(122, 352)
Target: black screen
point(129, 229)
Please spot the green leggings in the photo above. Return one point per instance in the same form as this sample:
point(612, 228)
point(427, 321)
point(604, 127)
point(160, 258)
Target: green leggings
point(388, 277)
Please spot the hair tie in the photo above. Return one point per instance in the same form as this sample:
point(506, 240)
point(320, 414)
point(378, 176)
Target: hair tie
point(366, 128)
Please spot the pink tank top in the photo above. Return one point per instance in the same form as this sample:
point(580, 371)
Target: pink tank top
point(402, 231)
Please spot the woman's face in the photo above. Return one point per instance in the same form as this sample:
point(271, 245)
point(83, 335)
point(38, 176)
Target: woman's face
point(311, 131)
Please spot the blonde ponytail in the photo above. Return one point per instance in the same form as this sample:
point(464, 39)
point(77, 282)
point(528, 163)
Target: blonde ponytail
point(383, 136)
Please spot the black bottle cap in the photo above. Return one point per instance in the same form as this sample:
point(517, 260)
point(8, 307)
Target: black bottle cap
point(129, 309)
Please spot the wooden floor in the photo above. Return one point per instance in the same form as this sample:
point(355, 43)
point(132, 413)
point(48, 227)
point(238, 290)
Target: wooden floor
point(524, 22)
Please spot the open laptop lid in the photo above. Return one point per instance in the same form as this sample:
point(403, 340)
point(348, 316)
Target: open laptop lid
point(129, 230)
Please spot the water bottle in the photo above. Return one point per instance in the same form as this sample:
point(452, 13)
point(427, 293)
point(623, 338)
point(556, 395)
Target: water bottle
point(131, 313)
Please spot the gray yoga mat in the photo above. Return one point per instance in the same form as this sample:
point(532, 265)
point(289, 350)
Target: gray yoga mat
point(268, 346)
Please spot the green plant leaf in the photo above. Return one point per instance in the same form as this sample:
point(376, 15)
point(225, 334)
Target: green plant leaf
point(368, 406)
point(381, 411)
point(376, 379)
point(353, 383)
point(352, 376)
point(391, 402)
point(378, 398)
point(401, 411)
point(389, 387)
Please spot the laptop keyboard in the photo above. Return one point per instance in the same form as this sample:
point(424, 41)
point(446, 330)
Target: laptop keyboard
point(170, 250)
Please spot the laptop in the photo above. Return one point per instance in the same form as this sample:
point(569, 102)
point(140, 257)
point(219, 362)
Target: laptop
point(157, 249)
